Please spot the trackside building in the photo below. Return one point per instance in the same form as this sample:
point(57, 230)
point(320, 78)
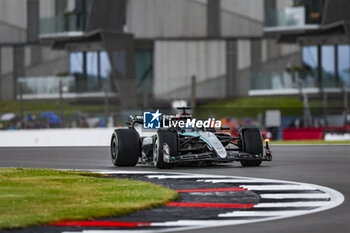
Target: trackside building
point(142, 51)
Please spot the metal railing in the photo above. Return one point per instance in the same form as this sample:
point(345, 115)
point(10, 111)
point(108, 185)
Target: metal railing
point(290, 16)
point(49, 86)
point(293, 80)
point(62, 24)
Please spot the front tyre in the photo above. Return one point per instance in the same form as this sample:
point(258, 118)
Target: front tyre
point(252, 143)
point(164, 147)
point(125, 147)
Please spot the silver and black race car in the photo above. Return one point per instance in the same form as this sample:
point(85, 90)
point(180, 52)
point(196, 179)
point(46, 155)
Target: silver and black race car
point(172, 146)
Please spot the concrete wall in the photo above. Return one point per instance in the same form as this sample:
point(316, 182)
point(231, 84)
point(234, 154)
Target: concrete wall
point(51, 62)
point(188, 18)
point(6, 53)
point(281, 4)
point(241, 18)
point(11, 34)
point(6, 62)
point(13, 21)
point(166, 18)
point(244, 58)
point(56, 137)
point(14, 12)
point(176, 62)
point(77, 137)
point(250, 9)
point(47, 8)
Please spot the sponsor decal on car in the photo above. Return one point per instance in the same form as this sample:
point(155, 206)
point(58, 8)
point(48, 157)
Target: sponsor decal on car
point(155, 120)
point(151, 120)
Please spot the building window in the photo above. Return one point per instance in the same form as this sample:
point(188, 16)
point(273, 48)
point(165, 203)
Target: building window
point(105, 66)
point(344, 65)
point(335, 65)
point(310, 66)
point(118, 62)
point(76, 63)
point(314, 10)
point(328, 65)
point(92, 66)
point(144, 70)
point(90, 70)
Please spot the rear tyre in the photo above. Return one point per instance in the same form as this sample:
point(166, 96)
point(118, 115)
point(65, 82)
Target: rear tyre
point(165, 146)
point(125, 147)
point(252, 143)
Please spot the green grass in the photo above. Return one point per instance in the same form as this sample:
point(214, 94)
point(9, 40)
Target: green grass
point(39, 196)
point(296, 142)
point(250, 107)
point(253, 106)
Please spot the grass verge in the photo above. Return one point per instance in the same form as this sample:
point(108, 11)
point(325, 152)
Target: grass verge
point(38, 196)
point(250, 107)
point(315, 142)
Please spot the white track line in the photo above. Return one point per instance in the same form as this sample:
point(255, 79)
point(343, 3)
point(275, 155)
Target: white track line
point(259, 213)
point(233, 181)
point(292, 204)
point(121, 172)
point(277, 187)
point(189, 223)
point(295, 195)
point(183, 176)
point(110, 231)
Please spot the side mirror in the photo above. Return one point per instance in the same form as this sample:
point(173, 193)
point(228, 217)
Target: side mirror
point(224, 128)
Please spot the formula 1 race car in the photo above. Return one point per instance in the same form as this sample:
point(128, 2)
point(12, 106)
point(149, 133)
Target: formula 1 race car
point(172, 146)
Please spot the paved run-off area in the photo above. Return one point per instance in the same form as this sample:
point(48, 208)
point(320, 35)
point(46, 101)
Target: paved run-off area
point(322, 165)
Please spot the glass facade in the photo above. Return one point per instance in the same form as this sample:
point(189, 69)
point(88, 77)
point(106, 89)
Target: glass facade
point(89, 73)
point(344, 65)
point(65, 20)
point(144, 70)
point(76, 63)
point(334, 70)
point(328, 65)
point(105, 66)
point(91, 69)
point(298, 14)
point(309, 71)
point(92, 66)
point(313, 10)
point(47, 86)
point(291, 16)
point(117, 58)
point(335, 64)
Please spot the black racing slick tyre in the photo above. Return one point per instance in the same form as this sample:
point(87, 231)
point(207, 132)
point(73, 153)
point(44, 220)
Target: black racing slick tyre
point(125, 147)
point(165, 146)
point(252, 143)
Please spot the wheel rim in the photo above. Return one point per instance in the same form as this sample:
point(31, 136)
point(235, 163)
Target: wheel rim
point(155, 150)
point(166, 151)
point(114, 147)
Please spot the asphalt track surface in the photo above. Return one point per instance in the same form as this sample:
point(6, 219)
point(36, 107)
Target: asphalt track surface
point(326, 165)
